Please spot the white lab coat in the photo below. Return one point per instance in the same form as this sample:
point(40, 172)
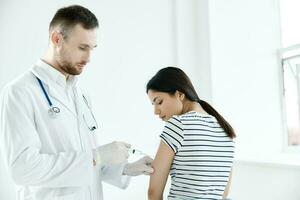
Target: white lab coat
point(50, 158)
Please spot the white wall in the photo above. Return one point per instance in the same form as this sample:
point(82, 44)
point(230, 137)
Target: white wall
point(193, 44)
point(227, 47)
point(244, 40)
point(245, 37)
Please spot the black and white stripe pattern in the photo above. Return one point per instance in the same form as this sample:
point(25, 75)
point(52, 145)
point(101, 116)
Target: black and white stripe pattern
point(203, 156)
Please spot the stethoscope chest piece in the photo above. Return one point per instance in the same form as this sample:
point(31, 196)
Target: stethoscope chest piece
point(53, 112)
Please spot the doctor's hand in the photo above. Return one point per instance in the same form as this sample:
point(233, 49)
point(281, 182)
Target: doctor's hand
point(142, 166)
point(111, 154)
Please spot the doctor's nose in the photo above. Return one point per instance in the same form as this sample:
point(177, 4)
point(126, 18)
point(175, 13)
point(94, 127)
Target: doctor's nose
point(87, 56)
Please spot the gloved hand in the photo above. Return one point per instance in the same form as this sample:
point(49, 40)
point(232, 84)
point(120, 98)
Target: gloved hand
point(111, 154)
point(142, 166)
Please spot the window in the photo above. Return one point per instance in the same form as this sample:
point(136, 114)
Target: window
point(290, 59)
point(291, 86)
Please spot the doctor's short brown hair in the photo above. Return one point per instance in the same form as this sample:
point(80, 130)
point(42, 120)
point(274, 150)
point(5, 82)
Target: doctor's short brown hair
point(68, 17)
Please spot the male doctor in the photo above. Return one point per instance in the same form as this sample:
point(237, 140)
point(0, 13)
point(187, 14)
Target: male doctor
point(48, 132)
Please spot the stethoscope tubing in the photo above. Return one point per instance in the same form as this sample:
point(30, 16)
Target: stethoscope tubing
point(44, 91)
point(55, 110)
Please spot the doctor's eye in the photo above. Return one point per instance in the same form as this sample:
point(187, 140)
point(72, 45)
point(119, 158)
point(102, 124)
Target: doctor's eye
point(83, 48)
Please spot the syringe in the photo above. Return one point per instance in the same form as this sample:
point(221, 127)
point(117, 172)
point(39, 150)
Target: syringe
point(137, 152)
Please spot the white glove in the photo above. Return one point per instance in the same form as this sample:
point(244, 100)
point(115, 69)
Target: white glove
point(111, 154)
point(142, 166)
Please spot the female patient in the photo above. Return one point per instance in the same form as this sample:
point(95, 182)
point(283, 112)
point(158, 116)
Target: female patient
point(196, 146)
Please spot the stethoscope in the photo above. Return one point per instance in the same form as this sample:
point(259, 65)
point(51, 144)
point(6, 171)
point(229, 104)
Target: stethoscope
point(55, 111)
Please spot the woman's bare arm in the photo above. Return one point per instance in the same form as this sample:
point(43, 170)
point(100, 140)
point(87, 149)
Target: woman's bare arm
point(161, 164)
point(227, 188)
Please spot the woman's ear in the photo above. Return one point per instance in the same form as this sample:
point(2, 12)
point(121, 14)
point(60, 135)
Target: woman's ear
point(180, 95)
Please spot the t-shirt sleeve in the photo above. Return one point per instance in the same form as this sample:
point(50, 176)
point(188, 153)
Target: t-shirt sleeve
point(172, 133)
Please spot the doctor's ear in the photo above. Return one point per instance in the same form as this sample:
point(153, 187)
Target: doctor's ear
point(56, 38)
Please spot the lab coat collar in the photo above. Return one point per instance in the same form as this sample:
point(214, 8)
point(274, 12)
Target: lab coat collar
point(51, 78)
point(49, 75)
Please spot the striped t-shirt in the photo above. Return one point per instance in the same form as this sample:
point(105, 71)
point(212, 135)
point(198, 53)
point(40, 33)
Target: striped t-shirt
point(203, 156)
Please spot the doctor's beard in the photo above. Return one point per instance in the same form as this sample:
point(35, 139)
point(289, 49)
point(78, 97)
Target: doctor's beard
point(72, 68)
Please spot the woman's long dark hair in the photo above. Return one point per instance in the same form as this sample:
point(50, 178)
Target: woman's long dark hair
point(172, 79)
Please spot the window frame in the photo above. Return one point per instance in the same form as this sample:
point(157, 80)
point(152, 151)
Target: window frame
point(286, 54)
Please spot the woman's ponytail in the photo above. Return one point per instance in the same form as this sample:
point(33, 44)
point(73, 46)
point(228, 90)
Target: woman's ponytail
point(223, 123)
